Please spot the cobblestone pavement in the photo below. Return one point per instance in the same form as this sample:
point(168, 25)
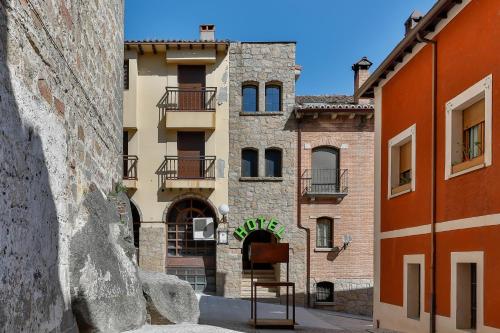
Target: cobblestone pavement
point(234, 314)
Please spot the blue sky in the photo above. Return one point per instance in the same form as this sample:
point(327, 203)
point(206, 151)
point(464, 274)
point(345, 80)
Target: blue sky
point(331, 34)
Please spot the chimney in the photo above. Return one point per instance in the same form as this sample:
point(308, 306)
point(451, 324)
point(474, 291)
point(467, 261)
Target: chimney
point(361, 74)
point(412, 21)
point(207, 32)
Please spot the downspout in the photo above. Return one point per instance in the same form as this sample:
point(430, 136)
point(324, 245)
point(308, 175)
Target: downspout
point(299, 210)
point(432, 322)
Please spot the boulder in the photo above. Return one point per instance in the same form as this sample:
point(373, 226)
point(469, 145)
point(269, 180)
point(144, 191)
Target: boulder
point(169, 298)
point(184, 328)
point(106, 293)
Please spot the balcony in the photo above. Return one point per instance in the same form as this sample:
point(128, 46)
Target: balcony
point(189, 108)
point(326, 183)
point(197, 172)
point(130, 171)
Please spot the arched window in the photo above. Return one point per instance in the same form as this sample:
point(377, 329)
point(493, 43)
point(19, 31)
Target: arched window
point(273, 162)
point(273, 98)
point(325, 171)
point(250, 93)
point(249, 162)
point(324, 233)
point(324, 292)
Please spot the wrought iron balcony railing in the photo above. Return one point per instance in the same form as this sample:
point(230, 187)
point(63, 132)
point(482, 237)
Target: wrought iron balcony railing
point(325, 182)
point(184, 99)
point(185, 167)
point(130, 167)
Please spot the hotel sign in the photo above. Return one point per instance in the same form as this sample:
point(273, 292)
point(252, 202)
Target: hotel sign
point(259, 223)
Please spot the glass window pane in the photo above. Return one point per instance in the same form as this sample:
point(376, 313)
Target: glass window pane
point(273, 98)
point(250, 99)
point(273, 163)
point(324, 233)
point(249, 163)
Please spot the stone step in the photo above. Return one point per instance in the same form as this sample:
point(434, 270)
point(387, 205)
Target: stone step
point(259, 295)
point(273, 290)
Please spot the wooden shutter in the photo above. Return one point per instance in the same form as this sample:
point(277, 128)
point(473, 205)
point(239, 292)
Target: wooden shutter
point(474, 114)
point(405, 157)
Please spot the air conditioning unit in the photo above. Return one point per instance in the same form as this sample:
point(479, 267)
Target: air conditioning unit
point(203, 228)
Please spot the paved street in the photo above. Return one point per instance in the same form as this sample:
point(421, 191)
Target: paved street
point(234, 314)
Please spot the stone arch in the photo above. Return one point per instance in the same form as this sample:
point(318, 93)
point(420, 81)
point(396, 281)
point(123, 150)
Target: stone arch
point(184, 196)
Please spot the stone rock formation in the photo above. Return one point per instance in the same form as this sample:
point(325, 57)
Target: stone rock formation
point(106, 293)
point(170, 298)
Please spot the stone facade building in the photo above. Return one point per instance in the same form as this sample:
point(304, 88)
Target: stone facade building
point(59, 132)
point(211, 123)
point(262, 185)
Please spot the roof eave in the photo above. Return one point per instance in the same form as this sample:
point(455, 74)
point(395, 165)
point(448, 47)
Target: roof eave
point(425, 26)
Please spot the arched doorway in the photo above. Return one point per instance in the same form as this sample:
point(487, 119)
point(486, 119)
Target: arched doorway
point(257, 236)
point(190, 260)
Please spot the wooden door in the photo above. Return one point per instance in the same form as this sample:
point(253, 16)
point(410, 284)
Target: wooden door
point(191, 81)
point(191, 152)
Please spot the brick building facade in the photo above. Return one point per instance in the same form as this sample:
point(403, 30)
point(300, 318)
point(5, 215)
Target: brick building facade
point(336, 168)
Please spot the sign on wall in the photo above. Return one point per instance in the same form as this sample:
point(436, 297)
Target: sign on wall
point(259, 223)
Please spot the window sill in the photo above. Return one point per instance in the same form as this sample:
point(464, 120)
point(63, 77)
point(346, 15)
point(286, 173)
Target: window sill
point(262, 113)
point(467, 166)
point(261, 179)
point(400, 190)
point(326, 249)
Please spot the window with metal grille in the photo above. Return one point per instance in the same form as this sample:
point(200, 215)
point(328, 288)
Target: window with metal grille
point(324, 292)
point(324, 233)
point(125, 74)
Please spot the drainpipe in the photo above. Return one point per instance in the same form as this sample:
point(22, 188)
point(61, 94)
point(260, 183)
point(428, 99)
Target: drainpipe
point(432, 322)
point(299, 211)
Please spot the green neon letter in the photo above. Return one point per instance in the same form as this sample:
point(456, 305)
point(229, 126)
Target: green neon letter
point(251, 225)
point(272, 224)
point(241, 233)
point(261, 222)
point(280, 232)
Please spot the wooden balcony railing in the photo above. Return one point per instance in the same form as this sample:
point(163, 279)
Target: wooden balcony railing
point(183, 99)
point(325, 182)
point(130, 167)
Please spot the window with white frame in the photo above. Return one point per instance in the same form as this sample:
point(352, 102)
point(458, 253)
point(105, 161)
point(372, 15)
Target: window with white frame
point(468, 129)
point(402, 151)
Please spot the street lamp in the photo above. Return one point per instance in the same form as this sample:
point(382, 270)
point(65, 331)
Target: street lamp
point(222, 235)
point(347, 239)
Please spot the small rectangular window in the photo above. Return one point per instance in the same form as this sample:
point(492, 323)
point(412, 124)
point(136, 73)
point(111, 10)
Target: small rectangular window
point(249, 163)
point(413, 286)
point(402, 155)
point(324, 233)
point(273, 163)
point(125, 75)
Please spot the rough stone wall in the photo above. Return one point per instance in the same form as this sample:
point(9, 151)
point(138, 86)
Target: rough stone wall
point(351, 271)
point(60, 130)
point(267, 197)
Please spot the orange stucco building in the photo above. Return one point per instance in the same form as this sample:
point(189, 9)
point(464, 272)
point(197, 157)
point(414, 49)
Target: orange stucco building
point(437, 178)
